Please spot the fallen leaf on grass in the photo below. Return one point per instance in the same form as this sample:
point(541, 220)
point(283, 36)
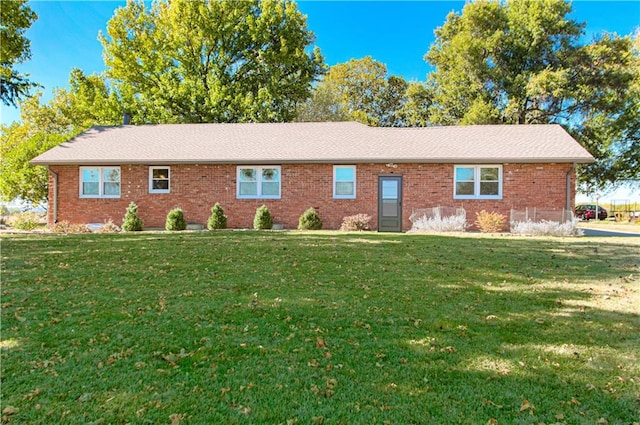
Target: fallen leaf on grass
point(491, 403)
point(18, 317)
point(31, 395)
point(10, 410)
point(527, 406)
point(492, 421)
point(176, 418)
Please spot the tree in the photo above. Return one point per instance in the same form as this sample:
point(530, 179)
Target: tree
point(212, 60)
point(520, 62)
point(15, 49)
point(88, 102)
point(323, 105)
point(366, 92)
point(415, 110)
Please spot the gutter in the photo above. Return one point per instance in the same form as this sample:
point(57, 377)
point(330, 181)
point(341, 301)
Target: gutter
point(568, 177)
point(55, 194)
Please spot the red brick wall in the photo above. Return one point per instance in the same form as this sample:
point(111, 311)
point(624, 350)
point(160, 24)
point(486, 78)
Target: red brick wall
point(195, 188)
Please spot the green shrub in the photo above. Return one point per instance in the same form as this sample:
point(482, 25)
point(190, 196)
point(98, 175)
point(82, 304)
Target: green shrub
point(175, 220)
point(490, 222)
point(263, 219)
point(131, 221)
point(356, 222)
point(26, 221)
point(310, 220)
point(217, 220)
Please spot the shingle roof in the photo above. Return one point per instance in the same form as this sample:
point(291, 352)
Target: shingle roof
point(335, 142)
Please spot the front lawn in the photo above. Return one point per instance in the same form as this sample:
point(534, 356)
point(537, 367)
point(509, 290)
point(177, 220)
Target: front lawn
point(319, 328)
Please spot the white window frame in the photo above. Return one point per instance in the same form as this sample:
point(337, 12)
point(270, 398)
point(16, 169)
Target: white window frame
point(476, 180)
point(335, 194)
point(151, 179)
point(101, 182)
point(259, 169)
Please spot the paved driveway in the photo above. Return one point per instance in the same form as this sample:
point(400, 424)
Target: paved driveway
point(609, 233)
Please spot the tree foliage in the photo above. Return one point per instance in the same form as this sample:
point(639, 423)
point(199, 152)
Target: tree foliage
point(520, 62)
point(16, 17)
point(366, 92)
point(87, 102)
point(212, 60)
point(323, 105)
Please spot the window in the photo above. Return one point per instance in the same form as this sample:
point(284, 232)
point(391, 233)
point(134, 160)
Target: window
point(478, 182)
point(259, 182)
point(99, 182)
point(159, 179)
point(344, 181)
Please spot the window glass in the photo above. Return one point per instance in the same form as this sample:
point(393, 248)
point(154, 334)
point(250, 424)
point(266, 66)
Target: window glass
point(478, 182)
point(259, 182)
point(465, 174)
point(98, 182)
point(489, 188)
point(270, 182)
point(489, 174)
point(464, 188)
point(345, 174)
point(91, 181)
point(160, 177)
point(111, 177)
point(344, 181)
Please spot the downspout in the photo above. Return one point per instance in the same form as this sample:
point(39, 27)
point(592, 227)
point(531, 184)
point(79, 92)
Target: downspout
point(568, 205)
point(55, 194)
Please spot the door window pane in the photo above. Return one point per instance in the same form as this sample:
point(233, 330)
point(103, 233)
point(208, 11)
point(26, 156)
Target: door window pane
point(389, 189)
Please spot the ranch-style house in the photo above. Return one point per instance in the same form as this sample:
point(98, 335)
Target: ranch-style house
point(339, 168)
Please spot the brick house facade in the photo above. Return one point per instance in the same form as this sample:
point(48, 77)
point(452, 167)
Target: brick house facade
point(196, 188)
point(195, 184)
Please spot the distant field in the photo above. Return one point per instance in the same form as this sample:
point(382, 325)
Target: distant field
point(243, 327)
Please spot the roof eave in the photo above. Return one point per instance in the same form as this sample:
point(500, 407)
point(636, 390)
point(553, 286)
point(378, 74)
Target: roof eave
point(443, 160)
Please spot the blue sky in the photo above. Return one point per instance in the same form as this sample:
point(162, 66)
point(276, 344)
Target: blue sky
point(395, 33)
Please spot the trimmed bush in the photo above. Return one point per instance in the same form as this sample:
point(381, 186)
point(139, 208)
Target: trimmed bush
point(356, 222)
point(131, 222)
point(490, 222)
point(263, 219)
point(310, 220)
point(217, 220)
point(175, 220)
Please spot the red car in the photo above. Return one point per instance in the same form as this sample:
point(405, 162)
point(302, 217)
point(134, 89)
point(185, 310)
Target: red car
point(588, 212)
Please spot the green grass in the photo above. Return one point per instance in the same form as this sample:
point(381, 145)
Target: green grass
point(303, 328)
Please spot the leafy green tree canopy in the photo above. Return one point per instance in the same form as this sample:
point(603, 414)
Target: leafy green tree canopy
point(367, 93)
point(212, 60)
point(16, 17)
point(87, 102)
point(520, 62)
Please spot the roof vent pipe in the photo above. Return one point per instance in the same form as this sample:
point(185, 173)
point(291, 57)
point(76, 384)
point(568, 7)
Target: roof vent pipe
point(126, 119)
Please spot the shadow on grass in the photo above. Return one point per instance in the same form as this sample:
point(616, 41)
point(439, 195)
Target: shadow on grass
point(352, 328)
